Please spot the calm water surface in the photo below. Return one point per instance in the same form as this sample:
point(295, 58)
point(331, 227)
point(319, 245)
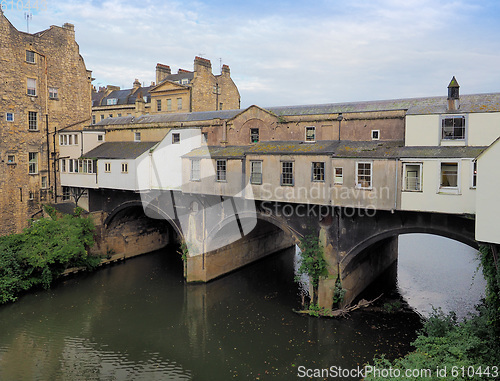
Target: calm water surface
point(138, 320)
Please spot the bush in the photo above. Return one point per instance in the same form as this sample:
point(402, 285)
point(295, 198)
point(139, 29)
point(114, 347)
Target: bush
point(42, 252)
point(473, 344)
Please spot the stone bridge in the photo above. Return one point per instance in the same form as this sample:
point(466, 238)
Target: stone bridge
point(359, 244)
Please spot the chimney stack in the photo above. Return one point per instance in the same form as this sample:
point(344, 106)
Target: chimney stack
point(162, 71)
point(453, 95)
point(136, 84)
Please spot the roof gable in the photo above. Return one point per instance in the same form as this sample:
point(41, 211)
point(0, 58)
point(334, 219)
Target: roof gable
point(168, 86)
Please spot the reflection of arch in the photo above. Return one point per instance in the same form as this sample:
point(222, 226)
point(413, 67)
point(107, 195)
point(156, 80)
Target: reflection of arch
point(152, 210)
point(366, 243)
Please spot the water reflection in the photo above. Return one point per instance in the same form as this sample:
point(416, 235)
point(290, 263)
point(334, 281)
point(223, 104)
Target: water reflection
point(438, 272)
point(140, 321)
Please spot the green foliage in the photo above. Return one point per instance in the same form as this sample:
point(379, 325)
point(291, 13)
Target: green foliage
point(473, 344)
point(338, 293)
point(42, 252)
point(312, 262)
point(183, 251)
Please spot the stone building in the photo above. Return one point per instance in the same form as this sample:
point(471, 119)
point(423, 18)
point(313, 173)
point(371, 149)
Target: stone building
point(185, 91)
point(45, 88)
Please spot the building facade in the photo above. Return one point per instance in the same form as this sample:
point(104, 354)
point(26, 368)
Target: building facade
point(45, 88)
point(184, 91)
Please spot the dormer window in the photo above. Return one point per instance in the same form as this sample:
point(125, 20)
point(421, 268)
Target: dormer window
point(112, 101)
point(453, 127)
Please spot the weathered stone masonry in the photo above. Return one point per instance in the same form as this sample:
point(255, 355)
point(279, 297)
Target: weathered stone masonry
point(61, 97)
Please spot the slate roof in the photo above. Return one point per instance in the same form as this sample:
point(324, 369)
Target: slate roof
point(342, 149)
point(123, 97)
point(119, 150)
point(170, 117)
point(428, 105)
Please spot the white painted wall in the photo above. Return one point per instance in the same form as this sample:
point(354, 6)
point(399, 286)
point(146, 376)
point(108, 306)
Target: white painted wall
point(116, 179)
point(90, 140)
point(434, 199)
point(422, 130)
point(425, 130)
point(488, 204)
point(484, 128)
point(81, 180)
point(166, 167)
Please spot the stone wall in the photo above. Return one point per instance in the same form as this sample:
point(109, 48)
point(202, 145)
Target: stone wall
point(57, 64)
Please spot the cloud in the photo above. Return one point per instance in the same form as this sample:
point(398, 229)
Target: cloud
point(293, 52)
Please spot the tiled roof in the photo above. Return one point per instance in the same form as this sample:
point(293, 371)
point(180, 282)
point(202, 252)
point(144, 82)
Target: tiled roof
point(119, 150)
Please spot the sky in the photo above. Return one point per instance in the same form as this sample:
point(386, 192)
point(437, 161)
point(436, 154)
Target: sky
point(287, 52)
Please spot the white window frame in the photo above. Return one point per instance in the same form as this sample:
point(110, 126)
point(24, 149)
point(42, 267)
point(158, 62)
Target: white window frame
point(93, 119)
point(307, 138)
point(256, 172)
point(158, 105)
point(32, 122)
point(169, 104)
point(322, 171)
point(63, 165)
point(338, 180)
point(377, 133)
point(358, 182)
point(290, 182)
point(449, 189)
point(107, 167)
point(125, 167)
point(176, 138)
point(100, 138)
point(195, 174)
point(53, 93)
point(33, 163)
point(221, 170)
point(111, 101)
point(31, 87)
point(453, 139)
point(137, 136)
point(11, 115)
point(419, 184)
point(43, 182)
point(179, 103)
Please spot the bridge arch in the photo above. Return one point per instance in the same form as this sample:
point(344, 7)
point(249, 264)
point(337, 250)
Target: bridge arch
point(152, 211)
point(260, 216)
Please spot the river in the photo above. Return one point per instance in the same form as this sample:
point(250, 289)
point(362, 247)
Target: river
point(138, 320)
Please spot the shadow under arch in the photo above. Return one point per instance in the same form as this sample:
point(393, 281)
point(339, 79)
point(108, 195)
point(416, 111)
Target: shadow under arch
point(151, 211)
point(213, 233)
point(349, 263)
